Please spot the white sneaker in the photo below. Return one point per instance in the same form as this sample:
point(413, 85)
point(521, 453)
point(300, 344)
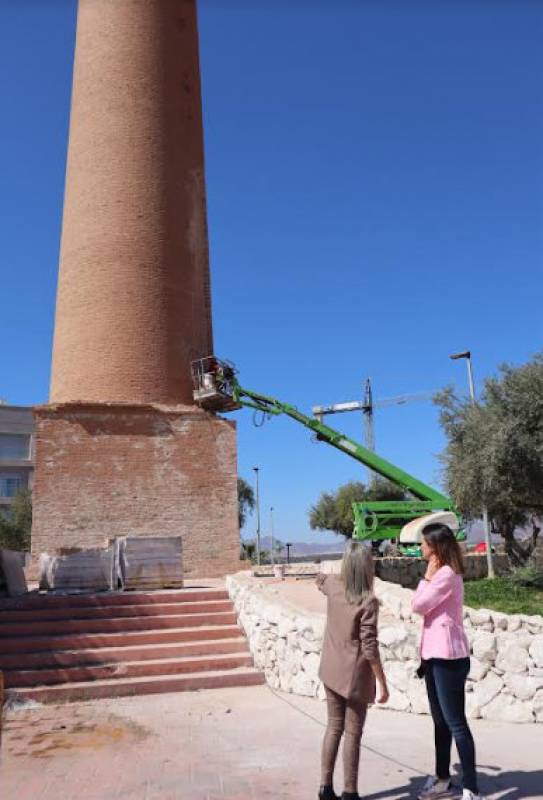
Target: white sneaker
point(436, 787)
point(467, 794)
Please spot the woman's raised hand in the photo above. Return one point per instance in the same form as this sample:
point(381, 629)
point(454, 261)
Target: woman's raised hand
point(433, 566)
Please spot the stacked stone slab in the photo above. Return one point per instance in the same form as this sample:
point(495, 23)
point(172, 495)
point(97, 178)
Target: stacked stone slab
point(150, 562)
point(120, 448)
point(130, 562)
point(90, 570)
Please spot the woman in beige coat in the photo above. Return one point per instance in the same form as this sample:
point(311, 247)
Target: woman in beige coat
point(350, 665)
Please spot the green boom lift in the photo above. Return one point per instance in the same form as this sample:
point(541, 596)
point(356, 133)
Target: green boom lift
point(216, 388)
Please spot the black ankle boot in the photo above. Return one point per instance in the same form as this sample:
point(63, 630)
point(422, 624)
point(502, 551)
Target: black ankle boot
point(350, 796)
point(327, 793)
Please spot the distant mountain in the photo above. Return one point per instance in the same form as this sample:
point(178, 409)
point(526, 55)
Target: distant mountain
point(306, 548)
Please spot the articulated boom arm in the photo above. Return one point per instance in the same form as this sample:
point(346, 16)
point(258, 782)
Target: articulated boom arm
point(217, 389)
point(270, 405)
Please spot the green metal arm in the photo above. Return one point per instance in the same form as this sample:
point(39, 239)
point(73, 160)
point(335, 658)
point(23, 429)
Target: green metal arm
point(381, 466)
point(217, 389)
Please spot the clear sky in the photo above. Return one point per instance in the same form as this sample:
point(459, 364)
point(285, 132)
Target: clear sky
point(375, 197)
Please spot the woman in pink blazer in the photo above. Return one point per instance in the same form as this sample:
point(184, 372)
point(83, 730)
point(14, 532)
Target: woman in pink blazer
point(350, 664)
point(445, 661)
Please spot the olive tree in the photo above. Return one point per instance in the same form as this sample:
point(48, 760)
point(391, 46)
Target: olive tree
point(16, 526)
point(333, 510)
point(494, 452)
point(246, 500)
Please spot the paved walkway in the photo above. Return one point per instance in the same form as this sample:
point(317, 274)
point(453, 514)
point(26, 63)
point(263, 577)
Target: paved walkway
point(234, 744)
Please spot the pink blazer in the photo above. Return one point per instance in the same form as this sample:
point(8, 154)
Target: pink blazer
point(440, 601)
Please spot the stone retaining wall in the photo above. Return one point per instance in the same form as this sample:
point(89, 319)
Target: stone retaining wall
point(506, 678)
point(403, 570)
point(285, 642)
point(292, 569)
point(408, 571)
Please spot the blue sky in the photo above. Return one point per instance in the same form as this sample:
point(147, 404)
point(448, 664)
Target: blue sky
point(375, 197)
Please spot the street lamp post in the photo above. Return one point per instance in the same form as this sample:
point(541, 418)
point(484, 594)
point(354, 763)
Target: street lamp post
point(256, 470)
point(271, 536)
point(467, 355)
point(288, 545)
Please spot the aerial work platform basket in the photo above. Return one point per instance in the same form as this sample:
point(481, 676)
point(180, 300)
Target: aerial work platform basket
point(212, 381)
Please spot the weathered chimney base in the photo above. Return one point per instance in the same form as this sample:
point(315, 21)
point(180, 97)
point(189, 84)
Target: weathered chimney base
point(108, 470)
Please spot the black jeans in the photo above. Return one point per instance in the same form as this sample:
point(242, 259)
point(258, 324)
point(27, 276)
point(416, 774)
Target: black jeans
point(445, 683)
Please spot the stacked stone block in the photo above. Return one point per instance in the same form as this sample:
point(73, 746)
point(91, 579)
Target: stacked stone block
point(506, 678)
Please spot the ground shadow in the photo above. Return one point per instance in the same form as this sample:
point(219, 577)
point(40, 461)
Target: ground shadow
point(505, 785)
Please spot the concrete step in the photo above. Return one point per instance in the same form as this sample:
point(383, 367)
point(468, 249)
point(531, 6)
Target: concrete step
point(131, 669)
point(118, 611)
point(121, 638)
point(43, 600)
point(121, 687)
point(61, 648)
point(112, 655)
point(112, 624)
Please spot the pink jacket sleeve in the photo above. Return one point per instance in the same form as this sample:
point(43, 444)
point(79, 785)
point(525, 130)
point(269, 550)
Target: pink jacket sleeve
point(430, 594)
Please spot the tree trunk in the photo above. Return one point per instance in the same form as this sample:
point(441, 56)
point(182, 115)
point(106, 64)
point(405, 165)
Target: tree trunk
point(518, 554)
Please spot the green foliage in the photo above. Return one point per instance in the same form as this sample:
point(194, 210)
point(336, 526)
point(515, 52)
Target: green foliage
point(278, 547)
point(248, 551)
point(333, 510)
point(506, 594)
point(494, 452)
point(15, 529)
point(528, 576)
point(246, 500)
point(382, 489)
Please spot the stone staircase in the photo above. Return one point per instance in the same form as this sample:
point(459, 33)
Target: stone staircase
point(57, 649)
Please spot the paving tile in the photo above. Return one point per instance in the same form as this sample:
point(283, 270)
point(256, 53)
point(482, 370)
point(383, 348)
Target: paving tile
point(233, 744)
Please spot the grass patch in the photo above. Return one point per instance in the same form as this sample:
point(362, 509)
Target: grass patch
point(505, 594)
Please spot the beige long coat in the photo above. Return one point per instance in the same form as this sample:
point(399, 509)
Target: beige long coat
point(350, 643)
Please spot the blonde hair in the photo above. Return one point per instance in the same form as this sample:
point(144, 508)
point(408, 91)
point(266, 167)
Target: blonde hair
point(357, 572)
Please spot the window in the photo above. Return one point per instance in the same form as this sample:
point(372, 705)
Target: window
point(14, 446)
point(10, 484)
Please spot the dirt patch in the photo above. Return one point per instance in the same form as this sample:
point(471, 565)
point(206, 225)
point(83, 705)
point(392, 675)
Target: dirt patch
point(45, 738)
